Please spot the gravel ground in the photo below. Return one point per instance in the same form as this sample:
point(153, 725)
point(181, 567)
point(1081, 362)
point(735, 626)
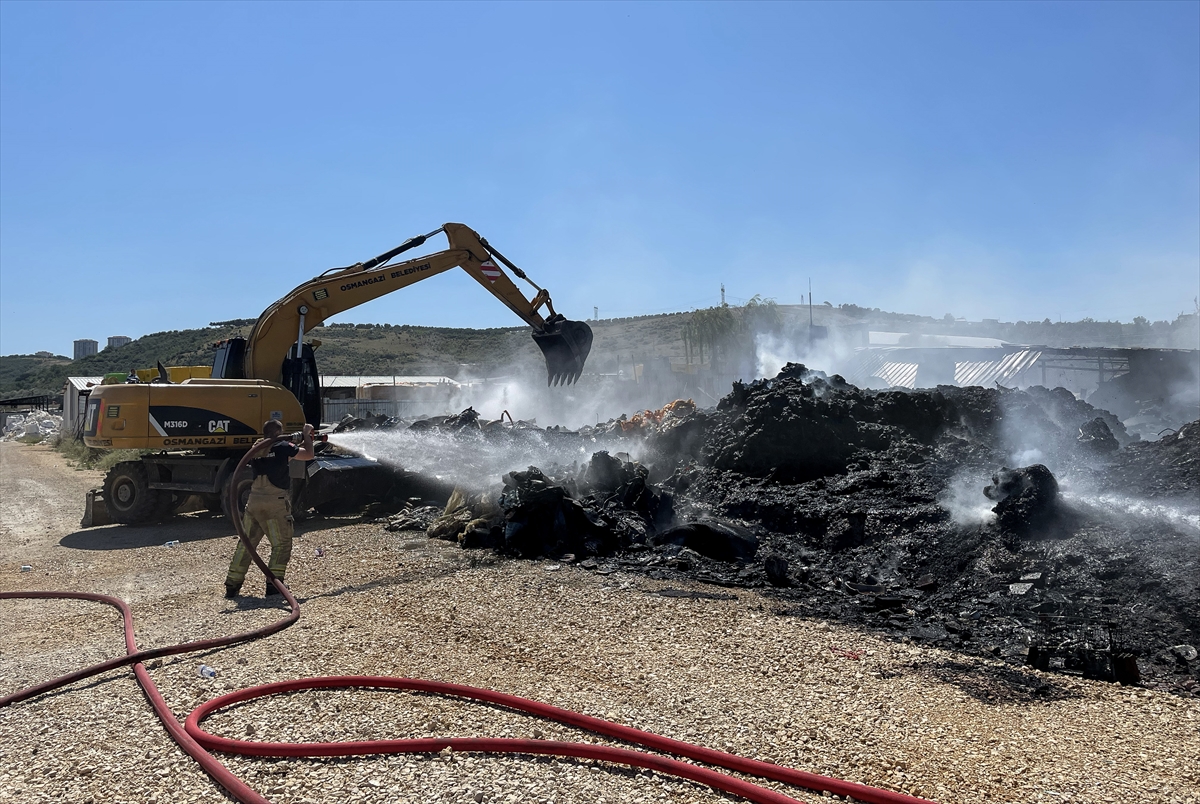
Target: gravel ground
point(725, 673)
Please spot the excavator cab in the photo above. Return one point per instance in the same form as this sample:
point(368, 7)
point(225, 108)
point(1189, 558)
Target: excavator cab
point(299, 374)
point(301, 378)
point(227, 360)
point(565, 345)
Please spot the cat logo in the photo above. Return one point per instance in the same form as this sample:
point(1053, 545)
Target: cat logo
point(218, 425)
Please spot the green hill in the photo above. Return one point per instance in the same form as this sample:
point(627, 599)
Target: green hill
point(357, 349)
point(18, 373)
point(19, 376)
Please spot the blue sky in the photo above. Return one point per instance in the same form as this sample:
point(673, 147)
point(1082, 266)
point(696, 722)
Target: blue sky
point(163, 165)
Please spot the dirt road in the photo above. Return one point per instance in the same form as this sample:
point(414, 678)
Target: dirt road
point(722, 670)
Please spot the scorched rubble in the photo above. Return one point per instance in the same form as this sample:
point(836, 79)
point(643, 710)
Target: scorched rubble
point(845, 502)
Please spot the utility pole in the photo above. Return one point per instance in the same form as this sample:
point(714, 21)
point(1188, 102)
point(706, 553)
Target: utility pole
point(810, 314)
point(722, 294)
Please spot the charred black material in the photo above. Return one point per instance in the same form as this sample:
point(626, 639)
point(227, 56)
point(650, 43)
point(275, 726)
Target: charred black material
point(1025, 497)
point(541, 519)
point(867, 507)
point(1096, 436)
point(717, 540)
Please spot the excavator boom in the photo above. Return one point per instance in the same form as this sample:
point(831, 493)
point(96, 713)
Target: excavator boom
point(565, 344)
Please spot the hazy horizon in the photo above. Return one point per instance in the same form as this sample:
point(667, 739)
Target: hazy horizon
point(102, 340)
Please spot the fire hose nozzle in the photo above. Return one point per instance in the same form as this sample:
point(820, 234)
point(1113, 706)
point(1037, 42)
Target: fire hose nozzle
point(315, 436)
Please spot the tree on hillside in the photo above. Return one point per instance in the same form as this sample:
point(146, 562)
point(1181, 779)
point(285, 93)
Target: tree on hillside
point(727, 333)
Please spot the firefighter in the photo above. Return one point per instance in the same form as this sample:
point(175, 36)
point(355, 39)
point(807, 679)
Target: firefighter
point(269, 509)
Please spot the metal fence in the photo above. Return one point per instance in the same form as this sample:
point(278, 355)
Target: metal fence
point(335, 410)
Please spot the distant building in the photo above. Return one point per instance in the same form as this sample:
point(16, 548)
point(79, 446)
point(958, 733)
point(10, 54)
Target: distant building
point(44, 354)
point(118, 340)
point(85, 347)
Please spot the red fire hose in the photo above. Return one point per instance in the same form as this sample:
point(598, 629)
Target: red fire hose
point(197, 742)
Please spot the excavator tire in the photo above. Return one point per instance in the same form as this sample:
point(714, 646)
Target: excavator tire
point(172, 502)
point(128, 495)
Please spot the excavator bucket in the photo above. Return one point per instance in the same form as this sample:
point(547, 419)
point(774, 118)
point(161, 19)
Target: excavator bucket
point(566, 345)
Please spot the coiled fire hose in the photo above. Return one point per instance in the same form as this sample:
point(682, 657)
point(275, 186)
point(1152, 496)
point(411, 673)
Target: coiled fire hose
point(193, 739)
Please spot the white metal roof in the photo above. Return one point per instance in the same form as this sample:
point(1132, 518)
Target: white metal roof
point(81, 383)
point(876, 338)
point(355, 380)
point(890, 367)
point(898, 375)
point(1003, 371)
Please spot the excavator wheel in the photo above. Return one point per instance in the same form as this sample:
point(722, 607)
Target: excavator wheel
point(175, 502)
point(565, 345)
point(128, 495)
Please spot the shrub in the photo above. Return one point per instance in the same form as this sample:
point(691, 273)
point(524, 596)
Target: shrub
point(85, 457)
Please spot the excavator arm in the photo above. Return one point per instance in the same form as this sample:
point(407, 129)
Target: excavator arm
point(279, 331)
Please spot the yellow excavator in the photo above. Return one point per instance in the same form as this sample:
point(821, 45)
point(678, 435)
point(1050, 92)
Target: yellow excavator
point(201, 427)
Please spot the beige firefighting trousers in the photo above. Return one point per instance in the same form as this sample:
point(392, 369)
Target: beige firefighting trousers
point(269, 511)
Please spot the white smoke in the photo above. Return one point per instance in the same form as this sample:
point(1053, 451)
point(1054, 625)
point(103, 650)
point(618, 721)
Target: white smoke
point(474, 459)
point(832, 355)
point(1028, 457)
point(595, 399)
point(964, 500)
point(566, 406)
point(773, 352)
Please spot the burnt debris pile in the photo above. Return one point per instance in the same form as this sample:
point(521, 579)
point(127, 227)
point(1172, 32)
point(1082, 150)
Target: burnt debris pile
point(1166, 468)
point(1025, 524)
point(601, 508)
point(1160, 392)
point(1025, 498)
